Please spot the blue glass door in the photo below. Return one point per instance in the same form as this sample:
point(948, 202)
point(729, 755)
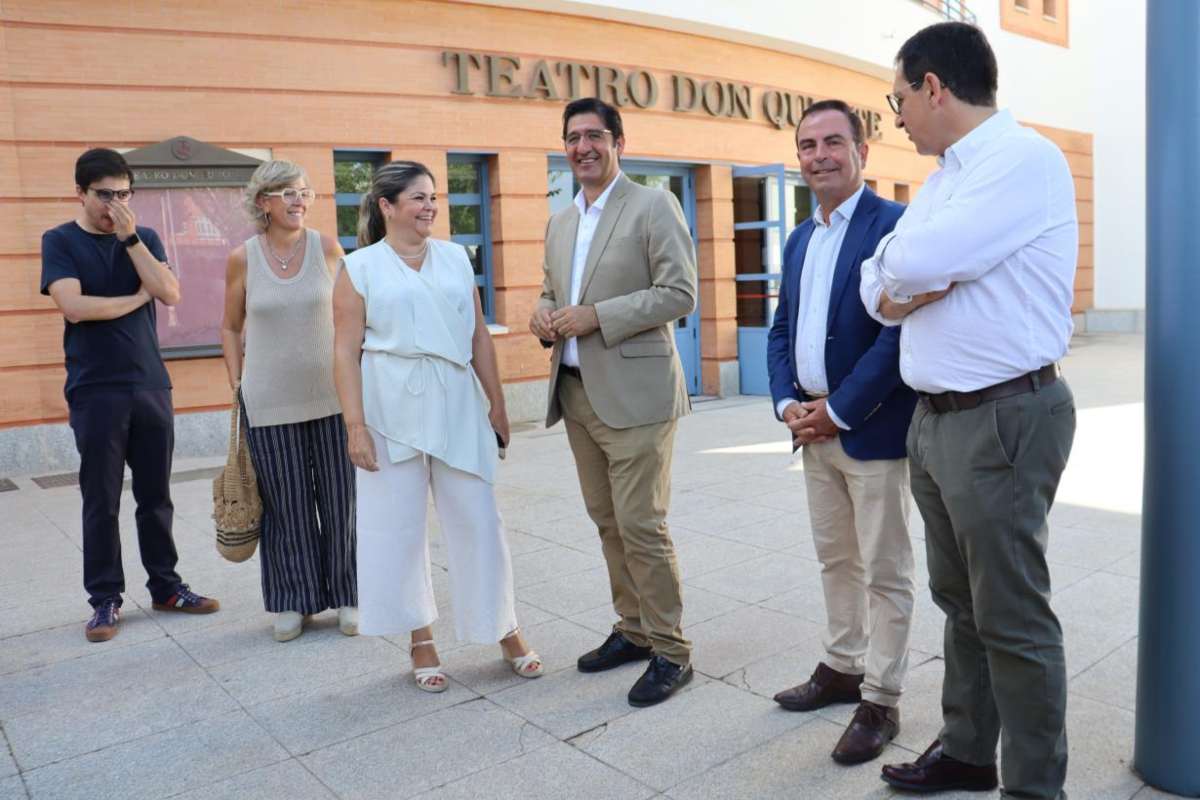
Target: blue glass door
point(768, 202)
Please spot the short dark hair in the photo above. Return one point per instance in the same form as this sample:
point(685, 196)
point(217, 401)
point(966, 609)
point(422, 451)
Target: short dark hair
point(594, 105)
point(959, 54)
point(856, 123)
point(99, 163)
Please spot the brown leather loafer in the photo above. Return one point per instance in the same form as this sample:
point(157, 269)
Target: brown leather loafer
point(825, 687)
point(872, 727)
point(935, 771)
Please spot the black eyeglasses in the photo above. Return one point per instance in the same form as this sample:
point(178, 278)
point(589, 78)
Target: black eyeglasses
point(896, 102)
point(108, 195)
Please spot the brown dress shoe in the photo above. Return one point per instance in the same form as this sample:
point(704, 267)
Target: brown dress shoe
point(826, 686)
point(872, 727)
point(935, 771)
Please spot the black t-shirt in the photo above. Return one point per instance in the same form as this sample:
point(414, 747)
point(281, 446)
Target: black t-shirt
point(120, 353)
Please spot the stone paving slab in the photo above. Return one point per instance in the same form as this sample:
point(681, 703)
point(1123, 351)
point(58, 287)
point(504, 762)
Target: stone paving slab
point(52, 714)
point(287, 780)
point(415, 756)
point(181, 706)
point(543, 774)
point(12, 789)
point(664, 745)
point(8, 767)
point(211, 749)
point(349, 708)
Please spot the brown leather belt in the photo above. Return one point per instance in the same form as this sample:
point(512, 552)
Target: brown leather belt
point(965, 401)
point(572, 371)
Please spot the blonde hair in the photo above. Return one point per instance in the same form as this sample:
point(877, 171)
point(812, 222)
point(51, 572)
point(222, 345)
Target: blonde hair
point(388, 181)
point(269, 177)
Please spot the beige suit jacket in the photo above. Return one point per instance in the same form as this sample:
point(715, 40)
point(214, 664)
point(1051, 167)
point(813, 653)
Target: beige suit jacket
point(640, 276)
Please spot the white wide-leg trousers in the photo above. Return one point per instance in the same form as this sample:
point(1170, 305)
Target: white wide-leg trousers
point(395, 586)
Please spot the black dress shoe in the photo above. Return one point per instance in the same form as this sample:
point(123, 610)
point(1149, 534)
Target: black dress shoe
point(872, 727)
point(825, 687)
point(935, 771)
point(615, 651)
point(660, 680)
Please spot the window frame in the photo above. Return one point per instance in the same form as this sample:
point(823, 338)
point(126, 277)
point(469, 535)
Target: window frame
point(485, 283)
point(377, 157)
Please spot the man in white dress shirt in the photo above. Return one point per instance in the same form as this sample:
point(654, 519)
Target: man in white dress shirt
point(980, 273)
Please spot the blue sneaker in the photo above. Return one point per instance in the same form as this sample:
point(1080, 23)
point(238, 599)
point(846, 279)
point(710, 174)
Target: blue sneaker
point(103, 624)
point(188, 602)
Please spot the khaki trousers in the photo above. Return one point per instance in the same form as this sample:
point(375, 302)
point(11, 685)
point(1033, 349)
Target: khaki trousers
point(625, 477)
point(859, 512)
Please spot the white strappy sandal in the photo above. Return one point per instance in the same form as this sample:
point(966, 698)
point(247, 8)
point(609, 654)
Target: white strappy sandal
point(429, 679)
point(528, 665)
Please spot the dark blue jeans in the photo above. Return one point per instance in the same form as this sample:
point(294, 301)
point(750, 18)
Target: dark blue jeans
point(113, 428)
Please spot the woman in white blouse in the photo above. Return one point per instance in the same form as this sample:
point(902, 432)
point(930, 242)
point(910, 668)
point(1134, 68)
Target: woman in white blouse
point(420, 391)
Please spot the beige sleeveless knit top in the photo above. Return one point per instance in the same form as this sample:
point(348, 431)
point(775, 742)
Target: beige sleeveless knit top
point(287, 375)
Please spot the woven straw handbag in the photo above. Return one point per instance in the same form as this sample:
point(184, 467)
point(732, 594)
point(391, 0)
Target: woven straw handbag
point(237, 507)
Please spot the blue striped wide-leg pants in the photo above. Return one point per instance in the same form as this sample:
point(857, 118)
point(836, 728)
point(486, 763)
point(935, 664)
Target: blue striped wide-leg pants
point(307, 548)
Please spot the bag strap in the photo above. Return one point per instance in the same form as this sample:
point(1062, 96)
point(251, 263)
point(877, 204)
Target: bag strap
point(235, 433)
point(236, 474)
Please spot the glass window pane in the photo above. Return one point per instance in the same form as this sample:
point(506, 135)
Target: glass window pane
point(676, 188)
point(347, 220)
point(475, 253)
point(561, 189)
point(653, 181)
point(463, 178)
point(668, 183)
point(801, 201)
point(353, 177)
point(756, 251)
point(464, 219)
point(749, 199)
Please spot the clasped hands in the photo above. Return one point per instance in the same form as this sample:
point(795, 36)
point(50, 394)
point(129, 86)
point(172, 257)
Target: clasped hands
point(563, 323)
point(809, 422)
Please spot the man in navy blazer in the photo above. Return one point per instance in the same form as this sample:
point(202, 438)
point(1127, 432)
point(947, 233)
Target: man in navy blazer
point(835, 382)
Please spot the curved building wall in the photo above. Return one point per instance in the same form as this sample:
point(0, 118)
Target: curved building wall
point(382, 76)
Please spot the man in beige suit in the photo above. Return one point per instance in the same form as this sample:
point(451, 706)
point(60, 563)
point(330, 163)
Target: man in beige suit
point(619, 270)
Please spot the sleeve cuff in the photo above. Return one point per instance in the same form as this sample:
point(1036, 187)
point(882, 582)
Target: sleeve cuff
point(833, 416)
point(782, 404)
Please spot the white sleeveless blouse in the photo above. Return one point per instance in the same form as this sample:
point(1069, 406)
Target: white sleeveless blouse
point(420, 392)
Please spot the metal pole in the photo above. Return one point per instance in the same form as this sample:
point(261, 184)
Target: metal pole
point(1167, 739)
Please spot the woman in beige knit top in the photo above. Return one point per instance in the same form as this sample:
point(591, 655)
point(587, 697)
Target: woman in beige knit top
point(278, 299)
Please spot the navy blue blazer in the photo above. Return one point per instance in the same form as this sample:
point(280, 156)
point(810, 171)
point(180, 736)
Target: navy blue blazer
point(862, 357)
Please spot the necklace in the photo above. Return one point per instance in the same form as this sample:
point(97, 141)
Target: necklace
point(417, 255)
point(284, 262)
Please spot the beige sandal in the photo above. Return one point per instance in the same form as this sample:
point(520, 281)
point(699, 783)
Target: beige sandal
point(429, 679)
point(528, 665)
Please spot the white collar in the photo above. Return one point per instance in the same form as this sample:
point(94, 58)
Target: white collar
point(985, 132)
point(845, 210)
point(598, 203)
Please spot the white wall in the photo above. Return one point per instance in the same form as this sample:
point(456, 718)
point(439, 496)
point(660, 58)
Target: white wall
point(1096, 85)
point(1119, 97)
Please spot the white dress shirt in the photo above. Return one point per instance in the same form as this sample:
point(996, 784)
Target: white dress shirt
point(589, 218)
point(997, 220)
point(812, 312)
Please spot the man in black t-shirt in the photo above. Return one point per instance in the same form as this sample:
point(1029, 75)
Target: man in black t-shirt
point(104, 274)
